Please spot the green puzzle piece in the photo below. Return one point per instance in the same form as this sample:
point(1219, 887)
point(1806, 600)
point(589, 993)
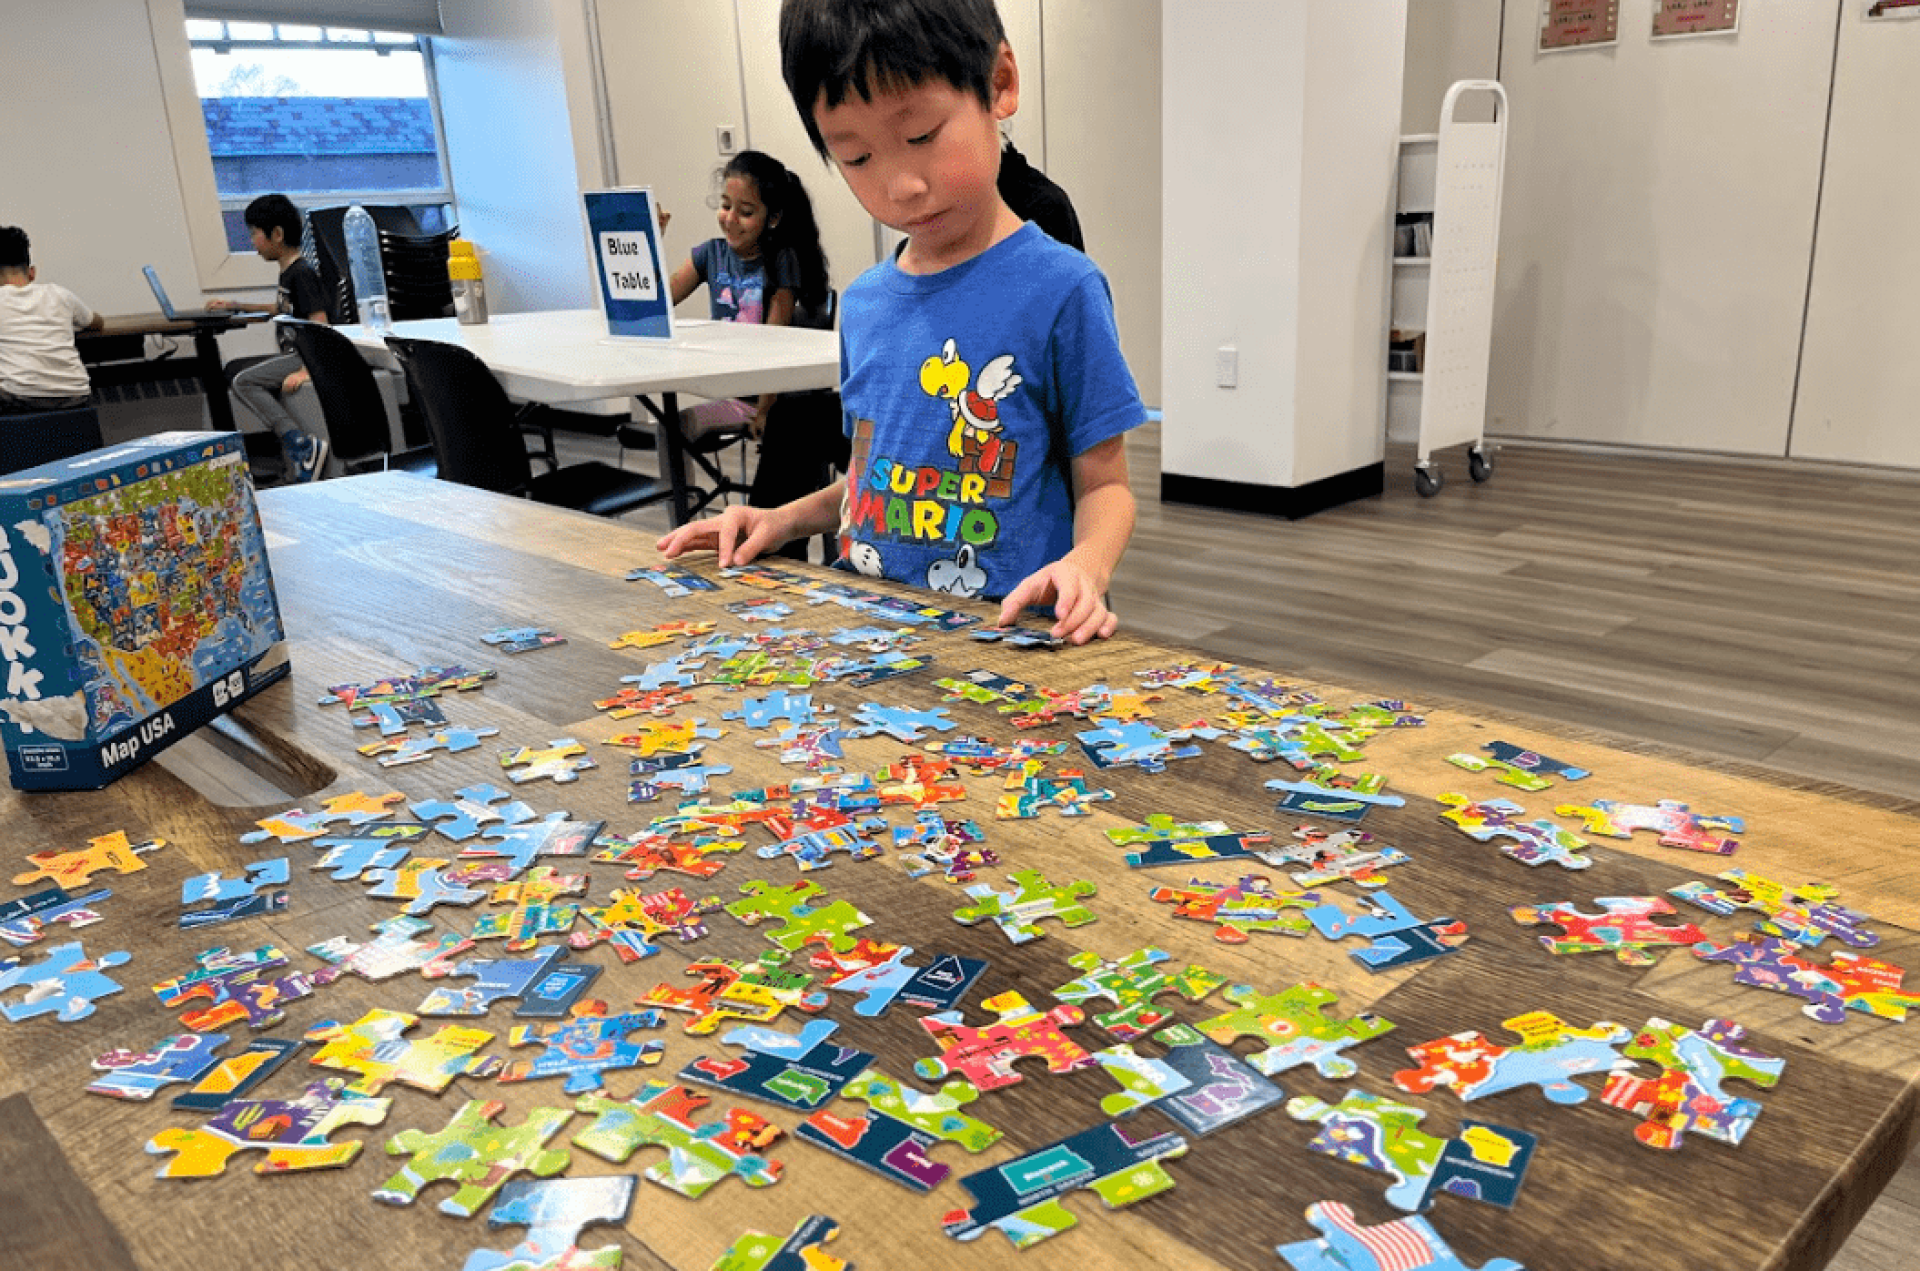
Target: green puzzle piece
point(1295, 1021)
point(1018, 913)
point(476, 1153)
point(800, 1251)
point(804, 911)
point(1131, 984)
point(660, 1114)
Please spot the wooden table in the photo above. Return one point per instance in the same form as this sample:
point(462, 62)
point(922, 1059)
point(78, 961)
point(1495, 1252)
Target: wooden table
point(383, 573)
point(207, 366)
point(566, 357)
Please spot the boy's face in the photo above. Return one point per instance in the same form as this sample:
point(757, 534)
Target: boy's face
point(924, 160)
point(269, 246)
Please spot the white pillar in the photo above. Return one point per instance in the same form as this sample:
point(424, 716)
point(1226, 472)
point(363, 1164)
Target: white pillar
point(1280, 124)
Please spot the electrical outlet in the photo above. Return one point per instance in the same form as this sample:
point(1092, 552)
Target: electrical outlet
point(1226, 367)
point(724, 139)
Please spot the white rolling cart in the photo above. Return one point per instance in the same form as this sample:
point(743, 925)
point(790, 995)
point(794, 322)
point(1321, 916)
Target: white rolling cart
point(1447, 296)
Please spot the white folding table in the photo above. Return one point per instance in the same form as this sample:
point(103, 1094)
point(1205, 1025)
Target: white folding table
point(566, 357)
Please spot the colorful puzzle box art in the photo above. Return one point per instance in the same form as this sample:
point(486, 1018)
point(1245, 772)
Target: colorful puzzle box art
point(135, 605)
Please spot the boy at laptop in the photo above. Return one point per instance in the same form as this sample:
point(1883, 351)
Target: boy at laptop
point(40, 368)
point(263, 384)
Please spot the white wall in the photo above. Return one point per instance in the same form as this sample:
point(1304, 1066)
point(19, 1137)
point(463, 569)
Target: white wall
point(1279, 138)
point(1860, 379)
point(1102, 88)
point(512, 152)
point(1447, 40)
point(1655, 236)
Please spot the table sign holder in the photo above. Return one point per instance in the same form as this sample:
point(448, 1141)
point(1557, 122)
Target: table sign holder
point(625, 236)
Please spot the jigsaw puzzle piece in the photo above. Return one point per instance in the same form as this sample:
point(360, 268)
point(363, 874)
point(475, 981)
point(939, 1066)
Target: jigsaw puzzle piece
point(393, 950)
point(475, 1152)
point(1805, 914)
point(139, 1075)
point(1484, 1162)
point(1675, 824)
point(113, 851)
point(585, 1048)
point(1405, 1244)
point(801, 1072)
point(804, 912)
point(1237, 909)
point(660, 1114)
point(751, 992)
point(1019, 912)
point(494, 980)
point(423, 883)
point(375, 1049)
point(1534, 843)
point(1330, 856)
point(555, 1211)
point(297, 826)
point(892, 1137)
point(293, 1133)
point(65, 984)
point(1687, 1096)
point(1397, 937)
point(1131, 984)
point(803, 1250)
point(472, 807)
point(984, 1055)
point(236, 1075)
point(1021, 1198)
point(1624, 927)
point(1550, 1054)
point(27, 920)
point(1295, 1023)
point(1847, 982)
point(1220, 1087)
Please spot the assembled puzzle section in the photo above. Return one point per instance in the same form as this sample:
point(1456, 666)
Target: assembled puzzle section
point(140, 605)
point(1021, 1197)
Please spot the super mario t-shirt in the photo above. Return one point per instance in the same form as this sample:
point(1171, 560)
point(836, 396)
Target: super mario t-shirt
point(966, 395)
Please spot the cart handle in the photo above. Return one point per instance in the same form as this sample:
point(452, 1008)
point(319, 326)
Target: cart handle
point(1462, 87)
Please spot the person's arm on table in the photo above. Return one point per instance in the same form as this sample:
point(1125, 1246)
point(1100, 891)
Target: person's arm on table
point(741, 534)
point(1077, 583)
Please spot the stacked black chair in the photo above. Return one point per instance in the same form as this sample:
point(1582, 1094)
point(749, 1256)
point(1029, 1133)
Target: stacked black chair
point(27, 441)
point(477, 438)
point(415, 264)
point(350, 402)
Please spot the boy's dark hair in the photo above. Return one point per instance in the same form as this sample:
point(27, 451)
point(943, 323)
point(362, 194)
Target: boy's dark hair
point(13, 248)
point(274, 211)
point(837, 46)
point(784, 197)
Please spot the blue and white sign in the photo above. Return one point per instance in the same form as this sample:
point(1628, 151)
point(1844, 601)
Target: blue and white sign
point(626, 253)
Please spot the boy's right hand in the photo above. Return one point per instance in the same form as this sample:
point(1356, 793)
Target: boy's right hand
point(737, 536)
point(218, 303)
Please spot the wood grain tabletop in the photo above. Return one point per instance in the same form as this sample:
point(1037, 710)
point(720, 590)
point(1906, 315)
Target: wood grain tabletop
point(379, 575)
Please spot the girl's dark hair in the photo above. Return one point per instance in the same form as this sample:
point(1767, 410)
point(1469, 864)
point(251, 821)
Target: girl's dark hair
point(837, 46)
point(785, 198)
point(274, 211)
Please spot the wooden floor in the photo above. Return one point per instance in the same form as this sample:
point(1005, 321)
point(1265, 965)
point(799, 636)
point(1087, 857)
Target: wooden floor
point(1765, 613)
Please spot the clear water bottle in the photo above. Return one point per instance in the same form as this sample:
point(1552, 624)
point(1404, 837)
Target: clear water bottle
point(363, 263)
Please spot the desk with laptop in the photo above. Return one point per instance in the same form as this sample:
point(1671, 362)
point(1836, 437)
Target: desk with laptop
point(114, 354)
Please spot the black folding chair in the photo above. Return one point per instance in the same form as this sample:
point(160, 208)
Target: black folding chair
point(27, 441)
point(477, 439)
point(350, 401)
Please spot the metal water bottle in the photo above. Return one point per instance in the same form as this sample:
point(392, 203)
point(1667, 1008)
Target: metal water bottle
point(363, 264)
point(469, 288)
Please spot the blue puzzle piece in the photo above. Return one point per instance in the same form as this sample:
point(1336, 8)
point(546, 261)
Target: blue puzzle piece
point(217, 886)
point(1398, 937)
point(493, 980)
point(1532, 761)
point(394, 718)
point(521, 844)
point(65, 984)
point(899, 722)
point(1134, 744)
point(379, 846)
point(672, 770)
point(555, 1211)
point(584, 1049)
point(140, 1075)
point(682, 671)
point(761, 712)
point(472, 808)
point(800, 1072)
point(423, 885)
point(25, 921)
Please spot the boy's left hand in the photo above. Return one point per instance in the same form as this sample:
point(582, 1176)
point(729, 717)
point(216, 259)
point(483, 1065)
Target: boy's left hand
point(1079, 601)
point(294, 382)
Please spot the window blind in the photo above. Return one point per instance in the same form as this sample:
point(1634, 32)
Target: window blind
point(415, 17)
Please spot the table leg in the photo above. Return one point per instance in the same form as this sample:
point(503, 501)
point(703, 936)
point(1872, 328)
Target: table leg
point(666, 418)
point(213, 378)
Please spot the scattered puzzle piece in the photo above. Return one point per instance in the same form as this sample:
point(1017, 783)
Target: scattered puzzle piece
point(27, 920)
point(1021, 1197)
point(139, 1075)
point(1805, 915)
point(881, 974)
point(427, 682)
point(1131, 984)
point(523, 639)
point(981, 756)
point(804, 912)
point(373, 1048)
point(1534, 842)
point(423, 883)
point(534, 912)
point(1550, 1054)
point(1028, 793)
point(1296, 1023)
point(648, 854)
point(675, 581)
point(1624, 927)
point(1220, 1088)
point(293, 1133)
point(899, 722)
point(1847, 982)
point(393, 951)
point(237, 897)
point(1331, 856)
point(236, 1075)
point(494, 980)
point(892, 1137)
point(1018, 913)
point(793, 709)
point(698, 1156)
point(1687, 1095)
point(671, 770)
point(665, 633)
point(1406, 1244)
point(1143, 1081)
point(392, 752)
point(297, 826)
point(561, 760)
point(381, 845)
point(1521, 769)
point(984, 1054)
point(476, 1153)
point(803, 1250)
point(555, 1211)
point(471, 809)
point(628, 702)
point(751, 992)
point(1249, 904)
point(395, 718)
point(113, 851)
point(64, 984)
point(1485, 1162)
point(653, 737)
point(1331, 794)
point(1674, 823)
point(800, 1072)
point(634, 919)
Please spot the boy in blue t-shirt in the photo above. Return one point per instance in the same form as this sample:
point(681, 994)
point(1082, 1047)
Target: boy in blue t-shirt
point(982, 381)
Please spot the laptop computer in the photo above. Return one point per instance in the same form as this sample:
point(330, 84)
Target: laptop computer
point(182, 315)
